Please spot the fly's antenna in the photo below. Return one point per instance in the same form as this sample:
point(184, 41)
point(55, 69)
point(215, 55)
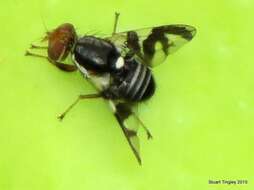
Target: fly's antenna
point(45, 28)
point(43, 22)
point(94, 33)
point(90, 32)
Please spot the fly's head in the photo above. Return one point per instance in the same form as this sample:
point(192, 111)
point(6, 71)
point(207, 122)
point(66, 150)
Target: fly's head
point(61, 41)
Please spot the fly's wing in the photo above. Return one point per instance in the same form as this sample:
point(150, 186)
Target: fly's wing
point(129, 123)
point(151, 46)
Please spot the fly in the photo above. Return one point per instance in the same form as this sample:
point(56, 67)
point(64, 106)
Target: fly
point(118, 66)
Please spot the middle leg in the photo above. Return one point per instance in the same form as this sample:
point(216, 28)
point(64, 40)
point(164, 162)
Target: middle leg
point(80, 97)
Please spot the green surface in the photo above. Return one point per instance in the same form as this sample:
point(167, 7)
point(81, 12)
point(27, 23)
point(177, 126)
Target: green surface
point(201, 116)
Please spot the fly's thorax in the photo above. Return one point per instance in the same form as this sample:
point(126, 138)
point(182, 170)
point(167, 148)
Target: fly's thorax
point(97, 60)
point(96, 54)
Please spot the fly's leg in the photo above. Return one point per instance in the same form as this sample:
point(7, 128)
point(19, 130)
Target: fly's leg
point(149, 135)
point(116, 22)
point(80, 97)
point(38, 47)
point(62, 66)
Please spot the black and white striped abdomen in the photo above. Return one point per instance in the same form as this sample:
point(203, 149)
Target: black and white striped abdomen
point(138, 84)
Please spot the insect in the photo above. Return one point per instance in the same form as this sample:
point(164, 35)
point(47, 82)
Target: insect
point(119, 66)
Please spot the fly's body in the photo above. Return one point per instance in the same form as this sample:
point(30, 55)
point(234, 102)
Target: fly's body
point(119, 66)
point(120, 78)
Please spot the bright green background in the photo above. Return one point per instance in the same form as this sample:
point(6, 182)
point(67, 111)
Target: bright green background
point(201, 116)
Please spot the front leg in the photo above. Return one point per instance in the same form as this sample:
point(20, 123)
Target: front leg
point(33, 46)
point(59, 65)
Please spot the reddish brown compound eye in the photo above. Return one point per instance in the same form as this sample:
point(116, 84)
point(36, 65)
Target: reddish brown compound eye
point(60, 41)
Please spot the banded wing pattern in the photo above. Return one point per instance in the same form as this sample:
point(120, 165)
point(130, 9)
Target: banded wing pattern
point(151, 46)
point(130, 123)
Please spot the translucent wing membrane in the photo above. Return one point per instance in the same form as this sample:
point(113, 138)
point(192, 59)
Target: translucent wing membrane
point(130, 123)
point(153, 45)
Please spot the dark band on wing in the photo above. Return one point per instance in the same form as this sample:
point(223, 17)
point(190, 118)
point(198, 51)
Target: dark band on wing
point(157, 35)
point(123, 111)
point(128, 137)
point(186, 33)
point(133, 41)
point(133, 44)
point(130, 133)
